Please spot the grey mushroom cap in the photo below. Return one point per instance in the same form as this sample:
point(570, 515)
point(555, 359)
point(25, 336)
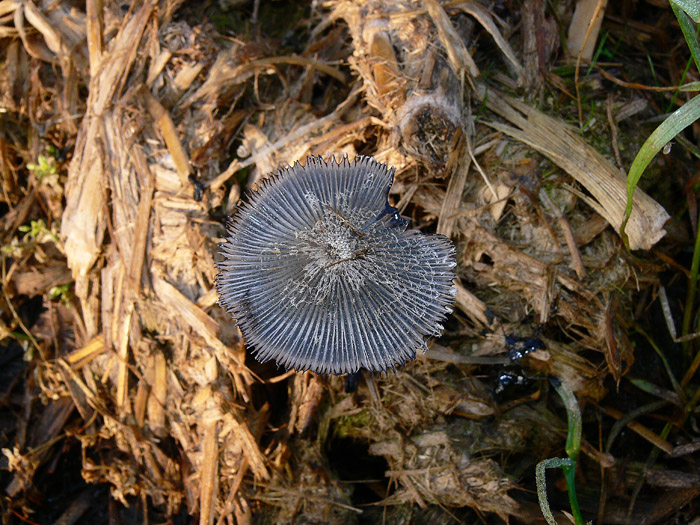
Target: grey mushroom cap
point(322, 274)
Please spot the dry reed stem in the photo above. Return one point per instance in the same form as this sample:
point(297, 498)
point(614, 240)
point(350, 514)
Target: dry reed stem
point(82, 356)
point(584, 28)
point(157, 398)
point(483, 16)
point(460, 58)
point(83, 222)
point(590, 11)
point(458, 178)
point(95, 31)
point(170, 135)
point(208, 474)
point(472, 306)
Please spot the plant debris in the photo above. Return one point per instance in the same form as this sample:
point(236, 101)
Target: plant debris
point(131, 130)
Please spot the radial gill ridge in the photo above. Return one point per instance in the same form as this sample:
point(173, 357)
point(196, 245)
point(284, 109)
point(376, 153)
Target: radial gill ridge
point(322, 274)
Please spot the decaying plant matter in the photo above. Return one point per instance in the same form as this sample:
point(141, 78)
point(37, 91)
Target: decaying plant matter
point(167, 117)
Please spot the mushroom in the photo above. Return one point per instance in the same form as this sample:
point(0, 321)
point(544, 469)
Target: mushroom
point(323, 274)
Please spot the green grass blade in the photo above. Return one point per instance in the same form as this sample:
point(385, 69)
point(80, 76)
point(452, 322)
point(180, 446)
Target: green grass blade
point(541, 481)
point(573, 413)
point(691, 39)
point(690, 86)
point(689, 311)
point(568, 465)
point(691, 7)
point(669, 128)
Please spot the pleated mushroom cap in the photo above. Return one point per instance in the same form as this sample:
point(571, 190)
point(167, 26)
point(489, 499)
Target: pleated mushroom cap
point(322, 274)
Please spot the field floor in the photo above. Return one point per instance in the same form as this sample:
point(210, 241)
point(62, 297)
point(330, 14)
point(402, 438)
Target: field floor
point(131, 131)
